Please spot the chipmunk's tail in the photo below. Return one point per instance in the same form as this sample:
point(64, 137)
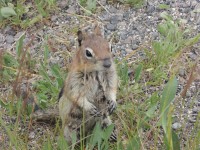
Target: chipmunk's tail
point(47, 115)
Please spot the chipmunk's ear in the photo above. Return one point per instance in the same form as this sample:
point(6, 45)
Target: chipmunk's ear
point(97, 31)
point(80, 37)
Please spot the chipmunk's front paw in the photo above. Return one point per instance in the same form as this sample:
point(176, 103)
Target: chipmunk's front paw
point(111, 106)
point(93, 110)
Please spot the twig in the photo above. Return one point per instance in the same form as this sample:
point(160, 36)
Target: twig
point(189, 81)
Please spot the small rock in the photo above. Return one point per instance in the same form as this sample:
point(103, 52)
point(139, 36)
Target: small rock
point(10, 31)
point(134, 47)
point(112, 9)
point(150, 9)
point(63, 4)
point(128, 50)
point(193, 56)
point(53, 18)
point(188, 94)
point(71, 10)
point(195, 110)
point(115, 19)
point(123, 36)
point(9, 39)
point(181, 72)
point(176, 125)
point(111, 27)
point(128, 40)
point(31, 135)
point(103, 2)
point(121, 26)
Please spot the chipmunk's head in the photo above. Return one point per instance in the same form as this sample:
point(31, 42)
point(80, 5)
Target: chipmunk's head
point(95, 51)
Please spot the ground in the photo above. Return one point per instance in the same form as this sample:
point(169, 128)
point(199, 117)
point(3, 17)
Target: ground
point(152, 43)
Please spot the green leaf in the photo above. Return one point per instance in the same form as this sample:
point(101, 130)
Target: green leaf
point(151, 111)
point(163, 6)
point(176, 141)
point(3, 104)
point(168, 96)
point(96, 137)
point(91, 5)
point(138, 72)
point(7, 12)
point(19, 46)
point(166, 16)
point(46, 53)
point(62, 143)
point(108, 131)
point(134, 144)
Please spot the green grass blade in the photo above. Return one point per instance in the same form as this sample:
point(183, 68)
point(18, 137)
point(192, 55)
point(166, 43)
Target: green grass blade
point(168, 95)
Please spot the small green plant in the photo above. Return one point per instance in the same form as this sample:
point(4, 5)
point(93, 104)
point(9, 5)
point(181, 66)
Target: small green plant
point(48, 87)
point(89, 5)
point(173, 39)
point(21, 14)
point(135, 3)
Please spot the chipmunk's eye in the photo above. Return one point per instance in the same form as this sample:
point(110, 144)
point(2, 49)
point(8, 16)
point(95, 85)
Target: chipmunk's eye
point(88, 53)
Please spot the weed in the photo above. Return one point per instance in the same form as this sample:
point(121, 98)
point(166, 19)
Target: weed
point(20, 13)
point(135, 3)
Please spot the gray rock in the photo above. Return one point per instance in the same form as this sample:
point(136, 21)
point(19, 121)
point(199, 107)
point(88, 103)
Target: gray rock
point(10, 31)
point(176, 125)
point(128, 50)
point(112, 9)
point(123, 36)
point(150, 9)
point(195, 110)
point(9, 39)
point(63, 4)
point(193, 56)
point(54, 18)
point(121, 26)
point(154, 35)
point(103, 2)
point(181, 72)
point(134, 47)
point(31, 135)
point(71, 10)
point(111, 27)
point(115, 19)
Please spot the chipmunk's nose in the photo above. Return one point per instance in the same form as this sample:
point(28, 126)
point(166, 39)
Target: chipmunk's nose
point(107, 63)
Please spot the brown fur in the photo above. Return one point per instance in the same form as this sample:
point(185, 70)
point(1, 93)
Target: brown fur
point(89, 94)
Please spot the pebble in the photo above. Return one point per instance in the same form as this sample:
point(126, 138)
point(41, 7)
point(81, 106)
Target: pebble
point(150, 9)
point(9, 39)
point(71, 10)
point(31, 135)
point(193, 56)
point(134, 47)
point(111, 27)
point(181, 72)
point(63, 4)
point(176, 125)
point(103, 2)
point(53, 18)
point(10, 31)
point(112, 9)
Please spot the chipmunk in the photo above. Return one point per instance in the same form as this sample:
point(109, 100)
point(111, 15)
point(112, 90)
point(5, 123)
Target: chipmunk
point(89, 92)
